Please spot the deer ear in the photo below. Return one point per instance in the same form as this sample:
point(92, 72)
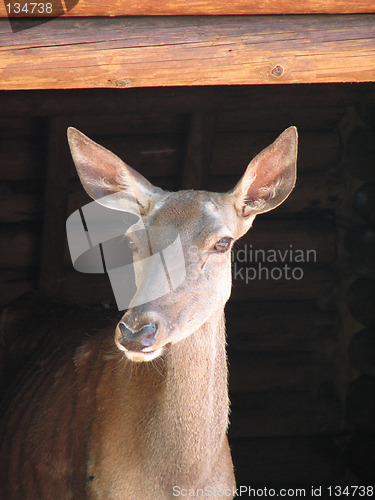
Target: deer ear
point(106, 178)
point(269, 178)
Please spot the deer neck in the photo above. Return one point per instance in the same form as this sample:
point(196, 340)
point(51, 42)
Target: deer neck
point(196, 376)
point(191, 415)
point(165, 419)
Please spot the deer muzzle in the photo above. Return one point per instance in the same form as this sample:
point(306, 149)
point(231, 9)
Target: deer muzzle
point(137, 340)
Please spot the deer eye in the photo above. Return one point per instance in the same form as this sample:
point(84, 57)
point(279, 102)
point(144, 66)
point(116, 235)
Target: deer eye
point(131, 244)
point(222, 245)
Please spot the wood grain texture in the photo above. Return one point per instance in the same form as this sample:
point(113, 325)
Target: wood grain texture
point(210, 7)
point(188, 51)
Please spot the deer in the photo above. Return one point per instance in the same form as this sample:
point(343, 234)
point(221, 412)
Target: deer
point(140, 409)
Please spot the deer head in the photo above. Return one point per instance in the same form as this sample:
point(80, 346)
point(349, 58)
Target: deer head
point(191, 232)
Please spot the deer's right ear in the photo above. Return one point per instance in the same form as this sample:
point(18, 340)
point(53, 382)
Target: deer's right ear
point(107, 179)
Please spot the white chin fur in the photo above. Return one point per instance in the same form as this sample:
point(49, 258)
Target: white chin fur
point(140, 357)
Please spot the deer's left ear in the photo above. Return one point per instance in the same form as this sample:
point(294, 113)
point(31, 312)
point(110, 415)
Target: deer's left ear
point(269, 178)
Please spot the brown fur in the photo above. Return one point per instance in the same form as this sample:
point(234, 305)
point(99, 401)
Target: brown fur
point(90, 424)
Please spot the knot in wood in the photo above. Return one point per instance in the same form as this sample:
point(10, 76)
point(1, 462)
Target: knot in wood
point(277, 71)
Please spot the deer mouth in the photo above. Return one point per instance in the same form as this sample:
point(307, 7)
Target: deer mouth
point(141, 357)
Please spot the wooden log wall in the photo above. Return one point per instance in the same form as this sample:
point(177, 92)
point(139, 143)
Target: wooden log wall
point(289, 346)
point(183, 51)
point(83, 8)
point(358, 289)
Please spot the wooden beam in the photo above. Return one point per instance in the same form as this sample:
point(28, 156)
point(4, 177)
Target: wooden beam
point(256, 100)
point(199, 151)
point(188, 51)
point(83, 8)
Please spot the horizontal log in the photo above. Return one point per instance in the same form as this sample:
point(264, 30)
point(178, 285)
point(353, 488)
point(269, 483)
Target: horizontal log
point(282, 413)
point(289, 462)
point(274, 371)
point(147, 122)
point(280, 326)
point(151, 155)
point(25, 127)
point(233, 151)
point(19, 246)
point(290, 241)
point(83, 8)
point(266, 283)
point(22, 158)
point(20, 202)
point(311, 115)
point(185, 51)
point(256, 100)
point(298, 109)
point(16, 282)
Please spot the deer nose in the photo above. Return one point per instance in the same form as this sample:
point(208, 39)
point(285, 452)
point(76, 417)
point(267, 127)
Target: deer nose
point(138, 339)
